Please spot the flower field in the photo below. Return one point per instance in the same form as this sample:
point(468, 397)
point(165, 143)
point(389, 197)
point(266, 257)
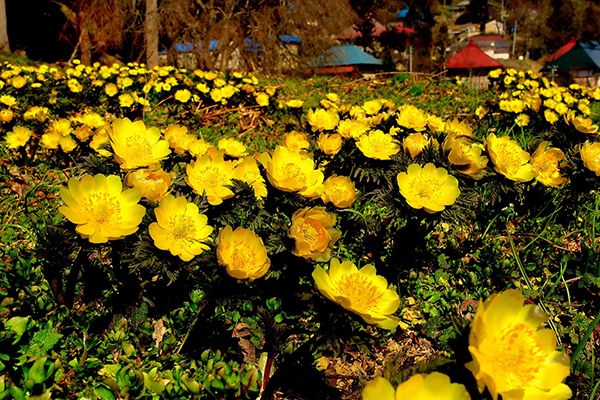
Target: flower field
point(188, 234)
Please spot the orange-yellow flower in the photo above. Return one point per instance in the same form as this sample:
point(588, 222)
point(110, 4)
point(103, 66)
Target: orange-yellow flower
point(509, 158)
point(590, 155)
point(340, 191)
point(211, 176)
point(153, 184)
point(135, 145)
point(428, 187)
point(330, 144)
point(361, 291)
point(183, 95)
point(180, 228)
point(433, 386)
point(352, 128)
point(466, 155)
point(322, 120)
point(242, 253)
point(545, 165)
point(584, 125)
point(313, 233)
point(291, 171)
point(414, 144)
point(178, 137)
point(378, 145)
point(100, 208)
point(513, 356)
point(247, 171)
point(372, 107)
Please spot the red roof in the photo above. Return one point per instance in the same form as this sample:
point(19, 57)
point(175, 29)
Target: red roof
point(566, 47)
point(472, 57)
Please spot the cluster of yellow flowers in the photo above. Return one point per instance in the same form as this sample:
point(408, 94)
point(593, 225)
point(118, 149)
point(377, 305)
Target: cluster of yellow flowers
point(513, 357)
point(527, 96)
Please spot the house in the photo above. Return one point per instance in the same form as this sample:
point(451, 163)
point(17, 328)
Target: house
point(345, 59)
point(494, 46)
point(474, 64)
point(581, 62)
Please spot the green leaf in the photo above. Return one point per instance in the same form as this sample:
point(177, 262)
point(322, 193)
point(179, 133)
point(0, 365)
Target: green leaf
point(41, 342)
point(37, 372)
point(18, 325)
point(104, 393)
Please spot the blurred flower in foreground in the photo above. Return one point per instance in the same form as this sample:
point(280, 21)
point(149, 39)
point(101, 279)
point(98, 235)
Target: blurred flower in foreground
point(513, 356)
point(433, 386)
point(312, 230)
point(180, 228)
point(590, 155)
point(242, 253)
point(100, 208)
point(428, 187)
point(361, 291)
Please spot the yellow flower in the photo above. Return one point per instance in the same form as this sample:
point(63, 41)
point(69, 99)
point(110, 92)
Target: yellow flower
point(428, 187)
point(18, 82)
point(8, 100)
point(18, 137)
point(211, 176)
point(361, 291)
point(135, 145)
point(411, 117)
point(294, 103)
point(545, 165)
point(414, 144)
point(352, 128)
point(262, 99)
point(514, 106)
point(513, 356)
point(296, 141)
point(61, 127)
point(183, 95)
point(550, 116)
point(92, 120)
point(495, 73)
point(100, 208)
point(126, 100)
point(247, 171)
point(456, 127)
point(67, 143)
point(180, 228)
point(522, 120)
point(313, 233)
point(481, 111)
point(435, 123)
point(322, 120)
point(242, 253)
point(584, 125)
point(378, 145)
point(330, 144)
point(178, 138)
point(466, 155)
point(590, 155)
point(153, 184)
point(340, 191)
point(372, 107)
point(50, 140)
point(509, 159)
point(291, 171)
point(111, 89)
point(6, 115)
point(199, 147)
point(232, 147)
point(433, 386)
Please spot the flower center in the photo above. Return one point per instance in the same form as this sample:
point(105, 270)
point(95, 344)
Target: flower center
point(182, 227)
point(314, 233)
point(103, 208)
point(359, 290)
point(518, 355)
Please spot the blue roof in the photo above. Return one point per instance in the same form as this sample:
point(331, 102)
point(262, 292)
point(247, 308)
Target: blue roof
point(289, 39)
point(345, 55)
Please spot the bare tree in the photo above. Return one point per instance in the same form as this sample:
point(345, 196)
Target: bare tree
point(151, 27)
point(4, 44)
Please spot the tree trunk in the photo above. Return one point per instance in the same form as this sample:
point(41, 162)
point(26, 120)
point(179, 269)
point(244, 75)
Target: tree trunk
point(151, 31)
point(4, 45)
